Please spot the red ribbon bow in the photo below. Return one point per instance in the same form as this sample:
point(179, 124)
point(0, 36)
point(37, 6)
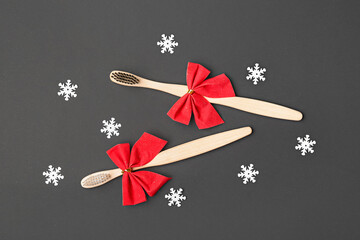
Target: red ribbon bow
point(134, 183)
point(194, 102)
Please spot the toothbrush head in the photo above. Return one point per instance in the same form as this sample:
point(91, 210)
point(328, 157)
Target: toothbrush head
point(124, 78)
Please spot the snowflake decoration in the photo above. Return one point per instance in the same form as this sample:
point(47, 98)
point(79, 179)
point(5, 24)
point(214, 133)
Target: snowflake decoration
point(110, 128)
point(167, 44)
point(305, 145)
point(248, 174)
point(53, 175)
point(175, 197)
point(256, 74)
point(67, 90)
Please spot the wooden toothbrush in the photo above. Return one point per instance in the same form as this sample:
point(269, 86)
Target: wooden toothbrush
point(245, 104)
point(178, 153)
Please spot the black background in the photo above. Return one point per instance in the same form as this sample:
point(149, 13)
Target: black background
point(311, 52)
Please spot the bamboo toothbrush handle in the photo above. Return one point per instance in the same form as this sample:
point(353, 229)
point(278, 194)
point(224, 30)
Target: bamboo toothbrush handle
point(174, 89)
point(259, 107)
point(197, 147)
point(245, 104)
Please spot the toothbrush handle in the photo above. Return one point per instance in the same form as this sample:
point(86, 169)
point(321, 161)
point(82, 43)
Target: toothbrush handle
point(259, 107)
point(245, 104)
point(197, 147)
point(174, 89)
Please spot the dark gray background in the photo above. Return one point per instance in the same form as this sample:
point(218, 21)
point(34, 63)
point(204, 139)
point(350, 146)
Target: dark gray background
point(311, 52)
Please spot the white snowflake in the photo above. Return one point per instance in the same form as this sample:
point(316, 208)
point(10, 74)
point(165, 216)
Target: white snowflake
point(256, 74)
point(110, 128)
point(175, 197)
point(67, 90)
point(53, 175)
point(167, 43)
point(305, 145)
point(248, 174)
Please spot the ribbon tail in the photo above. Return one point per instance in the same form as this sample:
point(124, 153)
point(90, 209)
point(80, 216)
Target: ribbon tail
point(181, 110)
point(132, 191)
point(204, 113)
point(151, 182)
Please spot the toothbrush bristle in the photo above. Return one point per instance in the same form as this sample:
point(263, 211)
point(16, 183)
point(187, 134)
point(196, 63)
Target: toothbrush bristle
point(125, 78)
point(96, 180)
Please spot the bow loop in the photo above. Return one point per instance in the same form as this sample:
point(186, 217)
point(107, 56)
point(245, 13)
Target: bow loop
point(145, 149)
point(216, 87)
point(135, 183)
point(195, 75)
point(194, 100)
point(120, 155)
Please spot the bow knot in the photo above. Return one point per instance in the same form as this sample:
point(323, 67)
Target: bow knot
point(194, 101)
point(191, 91)
point(127, 170)
point(134, 183)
